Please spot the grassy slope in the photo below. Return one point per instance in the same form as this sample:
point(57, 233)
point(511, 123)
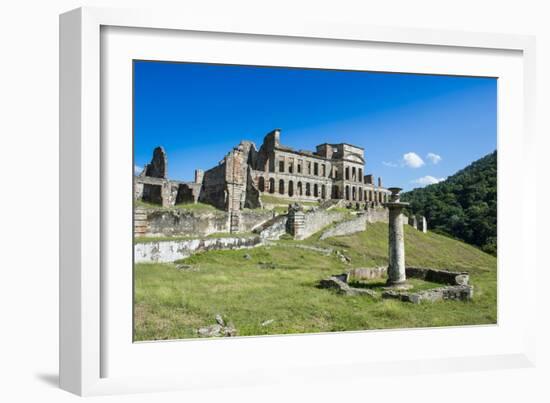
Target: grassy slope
point(172, 303)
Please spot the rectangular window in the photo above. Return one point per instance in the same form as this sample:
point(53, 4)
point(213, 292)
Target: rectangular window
point(315, 168)
point(291, 166)
point(299, 167)
point(281, 166)
point(309, 168)
point(324, 170)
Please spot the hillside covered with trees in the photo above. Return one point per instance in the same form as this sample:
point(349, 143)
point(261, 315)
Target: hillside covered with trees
point(463, 206)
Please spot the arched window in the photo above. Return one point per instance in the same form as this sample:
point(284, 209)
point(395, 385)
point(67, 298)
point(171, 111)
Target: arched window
point(290, 188)
point(347, 192)
point(316, 190)
point(308, 189)
point(353, 193)
point(335, 192)
point(271, 185)
point(353, 175)
point(299, 188)
point(261, 184)
point(323, 192)
point(360, 179)
point(360, 194)
point(281, 186)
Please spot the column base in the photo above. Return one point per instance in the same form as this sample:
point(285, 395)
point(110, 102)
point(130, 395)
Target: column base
point(400, 285)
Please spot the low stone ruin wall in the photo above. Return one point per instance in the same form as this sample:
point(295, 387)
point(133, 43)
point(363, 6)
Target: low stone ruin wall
point(180, 222)
point(458, 288)
point(169, 251)
point(347, 227)
point(367, 273)
point(456, 292)
point(438, 276)
point(316, 220)
point(423, 273)
point(252, 219)
point(377, 214)
point(272, 229)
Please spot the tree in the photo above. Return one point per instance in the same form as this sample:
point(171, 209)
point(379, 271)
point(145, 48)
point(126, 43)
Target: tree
point(463, 206)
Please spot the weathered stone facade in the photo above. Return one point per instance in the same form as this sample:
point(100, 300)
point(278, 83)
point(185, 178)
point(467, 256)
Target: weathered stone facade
point(180, 222)
point(331, 172)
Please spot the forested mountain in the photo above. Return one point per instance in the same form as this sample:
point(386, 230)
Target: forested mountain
point(463, 206)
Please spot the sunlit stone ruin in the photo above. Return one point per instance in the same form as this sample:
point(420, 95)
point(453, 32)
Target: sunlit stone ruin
point(331, 172)
point(249, 183)
point(324, 192)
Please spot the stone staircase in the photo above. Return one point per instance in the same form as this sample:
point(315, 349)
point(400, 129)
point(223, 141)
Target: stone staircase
point(140, 222)
point(332, 203)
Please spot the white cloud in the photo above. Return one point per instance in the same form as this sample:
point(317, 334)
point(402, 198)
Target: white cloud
point(390, 164)
point(434, 158)
point(137, 169)
point(427, 180)
point(412, 160)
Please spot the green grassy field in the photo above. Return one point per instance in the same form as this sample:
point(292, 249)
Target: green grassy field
point(278, 283)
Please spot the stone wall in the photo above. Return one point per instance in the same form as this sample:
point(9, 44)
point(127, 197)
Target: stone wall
point(377, 214)
point(316, 220)
point(273, 229)
point(252, 219)
point(367, 273)
point(438, 276)
point(169, 251)
point(213, 190)
point(179, 222)
point(347, 227)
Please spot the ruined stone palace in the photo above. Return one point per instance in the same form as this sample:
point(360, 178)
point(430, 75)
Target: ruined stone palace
point(331, 172)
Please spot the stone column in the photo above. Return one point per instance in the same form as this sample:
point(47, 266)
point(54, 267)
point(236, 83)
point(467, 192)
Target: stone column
point(296, 221)
point(422, 224)
point(396, 253)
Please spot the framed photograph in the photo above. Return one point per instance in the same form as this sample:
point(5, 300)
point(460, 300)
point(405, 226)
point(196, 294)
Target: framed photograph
point(316, 200)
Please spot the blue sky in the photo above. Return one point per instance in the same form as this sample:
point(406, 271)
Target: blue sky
point(415, 129)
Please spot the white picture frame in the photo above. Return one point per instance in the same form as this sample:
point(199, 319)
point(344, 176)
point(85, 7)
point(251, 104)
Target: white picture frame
point(93, 351)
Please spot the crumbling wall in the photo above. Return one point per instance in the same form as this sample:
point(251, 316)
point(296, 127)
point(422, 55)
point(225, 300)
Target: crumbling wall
point(213, 189)
point(188, 193)
point(180, 222)
point(169, 251)
point(377, 214)
point(229, 186)
point(347, 227)
point(273, 229)
point(252, 219)
point(158, 167)
point(318, 219)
